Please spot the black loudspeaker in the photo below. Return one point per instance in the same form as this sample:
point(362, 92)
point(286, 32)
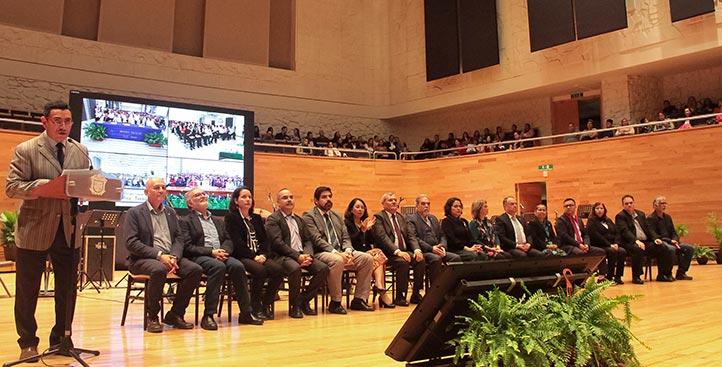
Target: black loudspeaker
point(442, 39)
point(94, 251)
point(432, 324)
point(478, 34)
point(551, 23)
point(683, 9)
point(589, 21)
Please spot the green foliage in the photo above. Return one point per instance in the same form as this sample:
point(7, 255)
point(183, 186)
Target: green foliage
point(155, 138)
point(714, 229)
point(682, 230)
point(548, 330)
point(7, 232)
point(95, 131)
point(702, 252)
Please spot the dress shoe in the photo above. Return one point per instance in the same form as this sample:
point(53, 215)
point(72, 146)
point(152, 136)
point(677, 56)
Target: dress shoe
point(386, 305)
point(295, 312)
point(357, 304)
point(259, 314)
point(176, 321)
point(307, 310)
point(618, 280)
point(268, 312)
point(664, 278)
point(683, 276)
point(401, 302)
point(28, 352)
point(207, 323)
point(637, 281)
point(249, 318)
point(153, 326)
point(416, 298)
point(336, 308)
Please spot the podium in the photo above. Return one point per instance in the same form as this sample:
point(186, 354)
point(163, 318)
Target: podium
point(88, 185)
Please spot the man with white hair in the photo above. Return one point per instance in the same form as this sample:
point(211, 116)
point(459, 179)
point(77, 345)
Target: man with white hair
point(662, 223)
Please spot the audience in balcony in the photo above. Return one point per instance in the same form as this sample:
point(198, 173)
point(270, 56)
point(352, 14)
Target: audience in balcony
point(590, 132)
point(628, 130)
point(609, 133)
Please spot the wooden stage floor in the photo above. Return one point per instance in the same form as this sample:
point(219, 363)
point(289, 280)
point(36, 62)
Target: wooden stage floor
point(678, 322)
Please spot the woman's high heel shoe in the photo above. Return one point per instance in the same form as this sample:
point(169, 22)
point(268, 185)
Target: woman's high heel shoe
point(384, 305)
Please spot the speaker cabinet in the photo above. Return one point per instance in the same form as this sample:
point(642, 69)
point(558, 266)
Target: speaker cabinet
point(99, 254)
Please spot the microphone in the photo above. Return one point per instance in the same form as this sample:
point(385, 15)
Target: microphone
point(87, 156)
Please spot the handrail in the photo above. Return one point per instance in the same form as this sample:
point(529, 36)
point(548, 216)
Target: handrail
point(481, 147)
point(284, 147)
point(384, 153)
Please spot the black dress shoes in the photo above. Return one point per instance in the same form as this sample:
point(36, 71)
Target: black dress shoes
point(176, 321)
point(336, 308)
point(153, 326)
point(295, 312)
point(416, 298)
point(401, 302)
point(28, 352)
point(683, 276)
point(618, 280)
point(665, 278)
point(268, 312)
point(637, 281)
point(357, 304)
point(249, 318)
point(207, 323)
point(307, 310)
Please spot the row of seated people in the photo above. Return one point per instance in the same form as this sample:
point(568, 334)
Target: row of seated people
point(197, 135)
point(324, 243)
point(138, 118)
point(704, 106)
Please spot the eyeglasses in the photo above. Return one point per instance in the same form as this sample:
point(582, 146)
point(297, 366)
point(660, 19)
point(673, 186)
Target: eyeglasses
point(569, 205)
point(59, 121)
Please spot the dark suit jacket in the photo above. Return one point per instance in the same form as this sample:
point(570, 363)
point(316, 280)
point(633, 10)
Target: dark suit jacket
point(279, 236)
point(34, 164)
point(316, 224)
point(427, 236)
point(384, 234)
point(600, 236)
point(664, 227)
point(457, 233)
point(194, 238)
point(139, 233)
point(361, 241)
point(628, 231)
point(565, 232)
point(238, 236)
point(539, 234)
point(505, 230)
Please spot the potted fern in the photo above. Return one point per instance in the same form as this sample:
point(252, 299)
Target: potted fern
point(155, 139)
point(95, 131)
point(703, 254)
point(539, 329)
point(715, 229)
point(7, 233)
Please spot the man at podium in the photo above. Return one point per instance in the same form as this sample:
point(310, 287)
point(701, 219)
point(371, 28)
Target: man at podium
point(44, 224)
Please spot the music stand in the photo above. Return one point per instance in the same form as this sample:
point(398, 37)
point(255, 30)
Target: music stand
point(90, 185)
point(583, 210)
point(100, 219)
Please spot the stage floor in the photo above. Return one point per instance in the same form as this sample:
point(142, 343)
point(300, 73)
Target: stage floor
point(678, 323)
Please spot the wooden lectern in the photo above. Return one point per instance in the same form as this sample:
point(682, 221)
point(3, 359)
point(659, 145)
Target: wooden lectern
point(86, 185)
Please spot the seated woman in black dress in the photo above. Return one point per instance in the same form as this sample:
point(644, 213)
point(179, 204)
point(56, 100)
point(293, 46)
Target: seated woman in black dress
point(359, 226)
point(542, 232)
point(245, 228)
point(482, 231)
point(603, 234)
point(456, 230)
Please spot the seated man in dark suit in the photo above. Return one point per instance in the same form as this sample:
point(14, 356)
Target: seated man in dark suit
point(292, 248)
point(661, 222)
point(514, 235)
point(332, 246)
point(207, 244)
point(153, 239)
point(396, 239)
point(430, 236)
point(573, 237)
point(638, 238)
point(542, 233)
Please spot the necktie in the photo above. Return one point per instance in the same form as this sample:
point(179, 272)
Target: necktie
point(402, 245)
point(61, 154)
point(518, 230)
point(577, 230)
point(331, 233)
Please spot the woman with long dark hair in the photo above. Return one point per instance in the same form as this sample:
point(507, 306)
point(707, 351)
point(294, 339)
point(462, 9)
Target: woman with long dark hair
point(359, 226)
point(603, 234)
point(458, 237)
point(245, 228)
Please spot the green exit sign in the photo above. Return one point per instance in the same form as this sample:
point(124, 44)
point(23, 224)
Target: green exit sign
point(546, 167)
point(577, 95)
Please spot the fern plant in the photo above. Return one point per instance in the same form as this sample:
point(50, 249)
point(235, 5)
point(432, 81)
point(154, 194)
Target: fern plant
point(714, 228)
point(548, 330)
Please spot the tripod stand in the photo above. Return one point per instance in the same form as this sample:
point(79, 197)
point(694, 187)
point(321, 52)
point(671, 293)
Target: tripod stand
point(100, 219)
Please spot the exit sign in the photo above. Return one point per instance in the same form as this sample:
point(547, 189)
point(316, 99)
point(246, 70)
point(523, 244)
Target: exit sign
point(577, 95)
point(546, 167)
